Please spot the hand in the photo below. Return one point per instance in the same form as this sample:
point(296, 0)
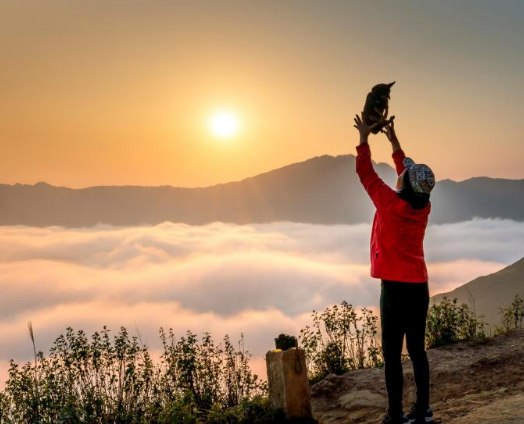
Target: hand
point(389, 130)
point(363, 128)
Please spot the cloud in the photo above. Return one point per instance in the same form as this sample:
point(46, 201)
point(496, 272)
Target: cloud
point(260, 280)
point(494, 240)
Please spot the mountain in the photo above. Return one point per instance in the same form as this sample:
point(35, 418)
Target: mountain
point(488, 293)
point(323, 190)
point(478, 197)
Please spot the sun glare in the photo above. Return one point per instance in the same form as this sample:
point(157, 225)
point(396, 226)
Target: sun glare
point(224, 124)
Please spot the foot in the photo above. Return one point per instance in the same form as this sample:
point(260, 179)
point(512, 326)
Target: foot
point(418, 415)
point(395, 419)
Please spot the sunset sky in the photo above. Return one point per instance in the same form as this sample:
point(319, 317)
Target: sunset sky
point(105, 92)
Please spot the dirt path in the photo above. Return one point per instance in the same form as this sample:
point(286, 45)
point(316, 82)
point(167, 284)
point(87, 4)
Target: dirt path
point(506, 410)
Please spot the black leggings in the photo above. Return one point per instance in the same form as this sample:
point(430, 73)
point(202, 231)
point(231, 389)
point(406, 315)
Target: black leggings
point(403, 310)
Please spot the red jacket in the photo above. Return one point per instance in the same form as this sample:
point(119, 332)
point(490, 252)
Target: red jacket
point(397, 236)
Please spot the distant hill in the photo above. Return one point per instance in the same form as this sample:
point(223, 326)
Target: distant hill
point(488, 293)
point(323, 190)
point(481, 197)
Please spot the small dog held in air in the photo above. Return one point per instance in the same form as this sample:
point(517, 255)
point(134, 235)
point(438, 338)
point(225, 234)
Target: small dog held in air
point(377, 106)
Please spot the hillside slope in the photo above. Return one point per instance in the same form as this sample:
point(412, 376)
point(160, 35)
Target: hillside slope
point(470, 383)
point(485, 294)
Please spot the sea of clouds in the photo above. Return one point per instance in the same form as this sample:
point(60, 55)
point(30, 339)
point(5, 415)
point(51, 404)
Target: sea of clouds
point(260, 280)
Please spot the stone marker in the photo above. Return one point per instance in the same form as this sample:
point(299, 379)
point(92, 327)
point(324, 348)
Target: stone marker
point(288, 384)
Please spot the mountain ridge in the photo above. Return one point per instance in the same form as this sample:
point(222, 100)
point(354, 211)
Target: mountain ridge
point(351, 156)
point(320, 190)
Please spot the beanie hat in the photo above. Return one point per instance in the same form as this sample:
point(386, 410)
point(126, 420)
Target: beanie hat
point(421, 177)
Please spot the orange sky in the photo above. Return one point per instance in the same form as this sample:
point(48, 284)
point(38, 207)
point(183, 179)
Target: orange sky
point(120, 92)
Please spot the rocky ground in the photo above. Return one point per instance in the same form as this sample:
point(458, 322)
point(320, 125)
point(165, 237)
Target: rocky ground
point(471, 382)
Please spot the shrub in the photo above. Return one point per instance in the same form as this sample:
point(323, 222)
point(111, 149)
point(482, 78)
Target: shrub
point(340, 339)
point(253, 411)
point(106, 379)
point(205, 373)
point(447, 322)
point(512, 316)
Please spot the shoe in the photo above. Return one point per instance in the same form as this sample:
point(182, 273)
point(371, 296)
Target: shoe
point(389, 419)
point(419, 415)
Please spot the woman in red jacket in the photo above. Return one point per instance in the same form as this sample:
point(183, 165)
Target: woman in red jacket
point(397, 258)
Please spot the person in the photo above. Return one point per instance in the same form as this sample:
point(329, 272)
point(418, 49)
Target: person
point(397, 258)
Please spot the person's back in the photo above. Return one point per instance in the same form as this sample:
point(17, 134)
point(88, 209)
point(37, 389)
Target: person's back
point(398, 249)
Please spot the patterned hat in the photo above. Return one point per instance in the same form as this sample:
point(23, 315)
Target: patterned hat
point(421, 177)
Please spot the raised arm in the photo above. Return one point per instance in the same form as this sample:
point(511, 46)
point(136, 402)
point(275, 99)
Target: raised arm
point(398, 153)
point(380, 193)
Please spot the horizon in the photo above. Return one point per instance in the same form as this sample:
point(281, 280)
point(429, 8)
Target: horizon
point(194, 94)
point(248, 177)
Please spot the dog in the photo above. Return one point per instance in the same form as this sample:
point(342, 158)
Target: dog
point(377, 106)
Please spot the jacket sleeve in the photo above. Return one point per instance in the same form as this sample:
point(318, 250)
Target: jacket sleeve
point(380, 193)
point(398, 158)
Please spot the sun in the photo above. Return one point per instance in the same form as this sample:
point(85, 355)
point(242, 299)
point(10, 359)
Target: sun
point(224, 124)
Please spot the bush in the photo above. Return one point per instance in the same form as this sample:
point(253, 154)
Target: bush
point(108, 379)
point(448, 323)
point(253, 411)
point(512, 316)
point(340, 339)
